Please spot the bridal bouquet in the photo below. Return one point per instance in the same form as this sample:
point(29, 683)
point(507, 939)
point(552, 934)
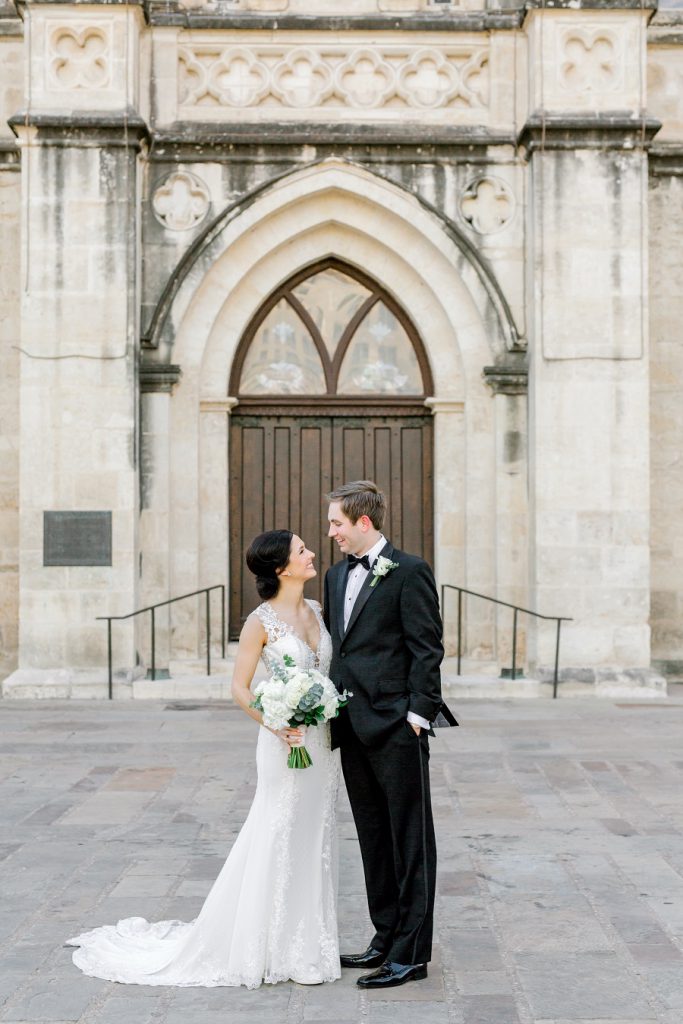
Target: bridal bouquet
point(295, 696)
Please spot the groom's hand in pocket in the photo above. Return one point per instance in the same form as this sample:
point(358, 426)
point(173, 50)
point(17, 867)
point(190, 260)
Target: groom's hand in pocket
point(415, 728)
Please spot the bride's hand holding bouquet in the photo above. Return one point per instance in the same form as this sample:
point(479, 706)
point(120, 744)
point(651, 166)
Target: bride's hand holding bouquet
point(294, 697)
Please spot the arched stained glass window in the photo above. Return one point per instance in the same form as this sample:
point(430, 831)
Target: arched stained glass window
point(380, 358)
point(331, 298)
point(283, 358)
point(331, 331)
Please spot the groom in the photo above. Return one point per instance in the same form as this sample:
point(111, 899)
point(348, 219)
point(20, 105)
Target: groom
point(382, 610)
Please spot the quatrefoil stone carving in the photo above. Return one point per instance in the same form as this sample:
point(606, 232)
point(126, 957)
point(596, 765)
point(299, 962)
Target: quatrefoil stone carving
point(589, 64)
point(302, 79)
point(364, 79)
point(238, 78)
point(487, 205)
point(181, 202)
point(80, 59)
point(428, 80)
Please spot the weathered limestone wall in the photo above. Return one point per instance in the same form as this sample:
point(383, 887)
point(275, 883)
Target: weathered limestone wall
point(396, 140)
point(589, 370)
point(11, 58)
point(666, 420)
point(78, 390)
point(665, 92)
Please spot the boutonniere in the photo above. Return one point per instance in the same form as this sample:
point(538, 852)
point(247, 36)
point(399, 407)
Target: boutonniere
point(382, 567)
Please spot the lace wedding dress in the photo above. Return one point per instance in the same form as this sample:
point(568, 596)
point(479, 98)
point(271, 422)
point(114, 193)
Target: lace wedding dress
point(271, 913)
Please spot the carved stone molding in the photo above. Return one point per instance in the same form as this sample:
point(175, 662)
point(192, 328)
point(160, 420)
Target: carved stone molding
point(10, 21)
point(181, 201)
point(436, 20)
point(618, 130)
point(105, 130)
point(304, 77)
point(10, 156)
point(218, 404)
point(159, 377)
point(507, 380)
point(487, 205)
point(666, 161)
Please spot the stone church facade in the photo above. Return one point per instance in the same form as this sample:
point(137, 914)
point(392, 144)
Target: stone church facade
point(251, 248)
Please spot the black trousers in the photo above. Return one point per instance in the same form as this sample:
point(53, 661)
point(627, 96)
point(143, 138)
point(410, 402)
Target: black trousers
point(388, 787)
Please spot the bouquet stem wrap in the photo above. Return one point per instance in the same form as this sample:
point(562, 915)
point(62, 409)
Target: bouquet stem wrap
point(299, 758)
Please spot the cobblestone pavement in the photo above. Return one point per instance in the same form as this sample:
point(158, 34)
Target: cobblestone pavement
point(560, 830)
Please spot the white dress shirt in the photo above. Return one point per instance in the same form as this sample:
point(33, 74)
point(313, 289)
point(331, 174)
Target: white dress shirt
point(354, 582)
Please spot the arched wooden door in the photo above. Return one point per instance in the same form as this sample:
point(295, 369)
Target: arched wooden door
point(331, 378)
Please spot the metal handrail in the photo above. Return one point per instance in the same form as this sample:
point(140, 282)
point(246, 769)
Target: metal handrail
point(559, 619)
point(161, 604)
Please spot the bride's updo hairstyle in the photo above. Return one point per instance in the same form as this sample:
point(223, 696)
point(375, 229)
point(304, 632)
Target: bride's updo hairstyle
point(267, 553)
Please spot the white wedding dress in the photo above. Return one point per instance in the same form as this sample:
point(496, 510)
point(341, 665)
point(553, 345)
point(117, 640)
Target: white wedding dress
point(271, 914)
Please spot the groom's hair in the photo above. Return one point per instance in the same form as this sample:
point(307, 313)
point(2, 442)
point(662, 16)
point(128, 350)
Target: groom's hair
point(361, 498)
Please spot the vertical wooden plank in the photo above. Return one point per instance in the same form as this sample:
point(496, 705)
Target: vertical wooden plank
point(252, 508)
point(354, 453)
point(294, 523)
point(268, 427)
point(369, 449)
point(394, 492)
point(412, 489)
point(428, 489)
point(382, 456)
point(235, 513)
point(282, 475)
point(337, 469)
point(311, 503)
point(327, 549)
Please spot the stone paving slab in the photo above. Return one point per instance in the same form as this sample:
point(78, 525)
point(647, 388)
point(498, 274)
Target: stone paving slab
point(560, 831)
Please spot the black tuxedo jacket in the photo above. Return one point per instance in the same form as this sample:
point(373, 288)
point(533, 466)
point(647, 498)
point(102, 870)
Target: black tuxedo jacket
point(390, 653)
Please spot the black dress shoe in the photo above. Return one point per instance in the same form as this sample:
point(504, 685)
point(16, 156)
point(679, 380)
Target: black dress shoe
point(370, 958)
point(391, 974)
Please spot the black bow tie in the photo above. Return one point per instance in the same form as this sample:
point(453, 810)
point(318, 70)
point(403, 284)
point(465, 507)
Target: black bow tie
point(354, 561)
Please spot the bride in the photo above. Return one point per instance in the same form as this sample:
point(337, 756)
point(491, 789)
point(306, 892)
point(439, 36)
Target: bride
point(271, 913)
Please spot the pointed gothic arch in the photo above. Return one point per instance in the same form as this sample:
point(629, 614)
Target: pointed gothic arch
point(333, 352)
point(330, 209)
point(330, 379)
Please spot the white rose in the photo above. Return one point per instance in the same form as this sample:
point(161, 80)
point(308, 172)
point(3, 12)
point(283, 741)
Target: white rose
point(330, 709)
point(329, 691)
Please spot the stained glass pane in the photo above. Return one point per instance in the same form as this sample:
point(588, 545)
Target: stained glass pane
point(381, 358)
point(282, 358)
point(331, 298)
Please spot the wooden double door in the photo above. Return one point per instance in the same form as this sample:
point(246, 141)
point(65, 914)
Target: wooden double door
point(283, 461)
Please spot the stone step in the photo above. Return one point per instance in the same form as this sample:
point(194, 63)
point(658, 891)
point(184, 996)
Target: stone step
point(188, 687)
point(65, 684)
point(188, 681)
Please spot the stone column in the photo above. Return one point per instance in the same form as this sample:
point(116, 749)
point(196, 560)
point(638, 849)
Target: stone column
point(78, 391)
point(449, 505)
point(587, 137)
point(156, 386)
point(665, 100)
point(11, 50)
point(509, 387)
point(214, 501)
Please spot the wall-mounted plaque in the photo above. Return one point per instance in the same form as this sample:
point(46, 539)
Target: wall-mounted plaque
point(77, 538)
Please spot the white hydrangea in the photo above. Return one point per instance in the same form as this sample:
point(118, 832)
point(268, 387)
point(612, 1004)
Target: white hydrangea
point(273, 688)
point(276, 713)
